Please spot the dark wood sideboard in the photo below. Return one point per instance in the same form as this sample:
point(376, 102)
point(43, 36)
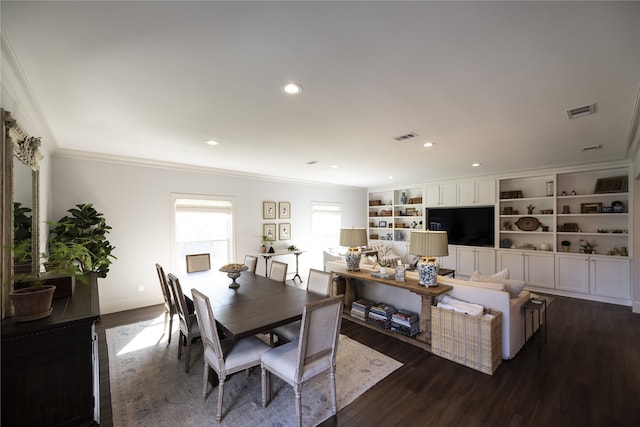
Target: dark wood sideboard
point(50, 366)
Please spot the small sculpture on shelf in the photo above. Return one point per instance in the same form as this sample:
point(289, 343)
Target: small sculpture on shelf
point(403, 199)
point(587, 247)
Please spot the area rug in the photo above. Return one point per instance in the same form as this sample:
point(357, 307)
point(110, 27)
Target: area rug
point(150, 388)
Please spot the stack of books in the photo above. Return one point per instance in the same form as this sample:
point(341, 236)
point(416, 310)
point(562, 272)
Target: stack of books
point(405, 322)
point(380, 315)
point(360, 309)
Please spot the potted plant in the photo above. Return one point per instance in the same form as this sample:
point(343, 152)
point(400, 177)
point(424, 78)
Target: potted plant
point(33, 291)
point(507, 225)
point(565, 245)
point(587, 247)
point(530, 209)
point(263, 248)
point(85, 227)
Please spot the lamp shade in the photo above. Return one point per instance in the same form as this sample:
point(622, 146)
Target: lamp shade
point(429, 243)
point(353, 237)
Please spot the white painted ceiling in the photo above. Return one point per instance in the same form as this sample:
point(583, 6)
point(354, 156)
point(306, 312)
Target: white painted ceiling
point(487, 82)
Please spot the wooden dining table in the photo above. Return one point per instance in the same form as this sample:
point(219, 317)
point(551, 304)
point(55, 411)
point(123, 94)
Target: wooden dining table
point(258, 305)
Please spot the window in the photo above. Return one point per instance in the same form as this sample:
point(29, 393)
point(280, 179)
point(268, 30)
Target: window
point(326, 220)
point(201, 225)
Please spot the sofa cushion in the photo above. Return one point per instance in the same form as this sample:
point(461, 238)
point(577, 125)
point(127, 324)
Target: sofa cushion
point(495, 286)
point(514, 287)
point(479, 277)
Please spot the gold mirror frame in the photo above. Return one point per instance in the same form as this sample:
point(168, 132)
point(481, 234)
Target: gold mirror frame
point(17, 145)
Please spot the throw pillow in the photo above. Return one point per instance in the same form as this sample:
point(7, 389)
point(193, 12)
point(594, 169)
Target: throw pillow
point(514, 287)
point(479, 277)
point(495, 286)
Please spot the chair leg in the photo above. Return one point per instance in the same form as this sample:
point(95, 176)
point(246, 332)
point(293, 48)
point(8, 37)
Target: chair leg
point(220, 394)
point(205, 380)
point(334, 404)
point(188, 357)
point(297, 388)
point(170, 327)
point(264, 386)
point(180, 344)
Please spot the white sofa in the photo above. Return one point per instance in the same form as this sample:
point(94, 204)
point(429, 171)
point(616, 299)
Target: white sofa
point(488, 295)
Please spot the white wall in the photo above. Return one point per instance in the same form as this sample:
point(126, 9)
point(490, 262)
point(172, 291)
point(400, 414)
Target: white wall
point(135, 200)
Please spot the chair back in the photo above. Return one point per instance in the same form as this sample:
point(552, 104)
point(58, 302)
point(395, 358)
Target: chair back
point(251, 262)
point(319, 282)
point(319, 334)
point(278, 271)
point(181, 303)
point(207, 323)
point(166, 292)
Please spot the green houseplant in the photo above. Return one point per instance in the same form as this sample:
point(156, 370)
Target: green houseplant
point(85, 227)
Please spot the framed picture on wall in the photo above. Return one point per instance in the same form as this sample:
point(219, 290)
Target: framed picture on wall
point(268, 210)
point(269, 230)
point(284, 210)
point(285, 231)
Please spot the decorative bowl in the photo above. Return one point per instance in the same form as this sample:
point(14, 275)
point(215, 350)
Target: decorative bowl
point(233, 272)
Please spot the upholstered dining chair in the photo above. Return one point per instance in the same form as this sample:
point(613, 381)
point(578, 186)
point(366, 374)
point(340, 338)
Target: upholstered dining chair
point(319, 282)
point(251, 262)
point(313, 354)
point(189, 329)
point(169, 306)
point(225, 357)
point(278, 271)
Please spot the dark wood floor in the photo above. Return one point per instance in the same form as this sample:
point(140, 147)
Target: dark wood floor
point(587, 375)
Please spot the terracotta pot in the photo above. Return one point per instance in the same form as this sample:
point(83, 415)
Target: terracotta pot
point(263, 249)
point(32, 303)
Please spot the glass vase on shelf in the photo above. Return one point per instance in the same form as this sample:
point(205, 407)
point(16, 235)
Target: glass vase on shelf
point(403, 198)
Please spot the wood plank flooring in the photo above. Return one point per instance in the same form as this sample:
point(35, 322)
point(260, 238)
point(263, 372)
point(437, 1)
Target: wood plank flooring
point(587, 375)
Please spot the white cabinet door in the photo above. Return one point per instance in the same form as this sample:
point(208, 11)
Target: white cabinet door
point(572, 273)
point(472, 259)
point(539, 269)
point(486, 192)
point(466, 193)
point(433, 196)
point(450, 260)
point(448, 194)
point(610, 277)
point(514, 261)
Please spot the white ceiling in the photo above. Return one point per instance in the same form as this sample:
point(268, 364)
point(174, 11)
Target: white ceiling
point(487, 82)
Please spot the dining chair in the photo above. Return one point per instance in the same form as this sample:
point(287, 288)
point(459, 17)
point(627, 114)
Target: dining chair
point(251, 262)
point(319, 282)
point(278, 271)
point(169, 306)
point(226, 357)
point(313, 354)
point(189, 329)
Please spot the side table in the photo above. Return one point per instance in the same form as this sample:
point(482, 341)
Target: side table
point(539, 306)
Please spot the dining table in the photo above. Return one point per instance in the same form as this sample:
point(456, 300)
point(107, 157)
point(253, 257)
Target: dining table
point(258, 305)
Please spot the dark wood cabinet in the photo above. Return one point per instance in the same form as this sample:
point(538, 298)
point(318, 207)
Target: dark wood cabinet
point(50, 366)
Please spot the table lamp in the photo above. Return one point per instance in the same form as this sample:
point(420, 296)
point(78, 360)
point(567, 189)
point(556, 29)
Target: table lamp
point(353, 238)
point(428, 245)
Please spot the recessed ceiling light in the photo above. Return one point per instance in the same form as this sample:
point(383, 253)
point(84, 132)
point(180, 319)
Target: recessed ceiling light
point(292, 88)
point(475, 165)
point(390, 177)
point(334, 166)
point(429, 144)
point(212, 142)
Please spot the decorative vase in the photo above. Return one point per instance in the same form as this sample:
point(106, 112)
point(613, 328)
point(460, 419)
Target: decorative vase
point(428, 271)
point(400, 273)
point(263, 249)
point(32, 303)
point(383, 270)
point(353, 260)
point(403, 199)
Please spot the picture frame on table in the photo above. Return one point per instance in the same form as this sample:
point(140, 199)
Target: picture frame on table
point(588, 208)
point(268, 210)
point(284, 231)
point(284, 210)
point(269, 230)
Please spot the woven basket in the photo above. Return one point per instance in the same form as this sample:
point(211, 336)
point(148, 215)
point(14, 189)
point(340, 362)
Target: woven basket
point(475, 342)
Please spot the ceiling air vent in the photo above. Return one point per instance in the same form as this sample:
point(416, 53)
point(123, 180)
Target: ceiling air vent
point(592, 148)
point(581, 111)
point(405, 136)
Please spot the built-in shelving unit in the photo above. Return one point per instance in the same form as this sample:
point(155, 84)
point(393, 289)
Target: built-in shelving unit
point(394, 213)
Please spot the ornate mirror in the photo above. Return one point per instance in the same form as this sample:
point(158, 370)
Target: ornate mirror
point(20, 195)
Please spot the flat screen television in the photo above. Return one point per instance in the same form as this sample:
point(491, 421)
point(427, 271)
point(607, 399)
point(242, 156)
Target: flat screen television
point(471, 226)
